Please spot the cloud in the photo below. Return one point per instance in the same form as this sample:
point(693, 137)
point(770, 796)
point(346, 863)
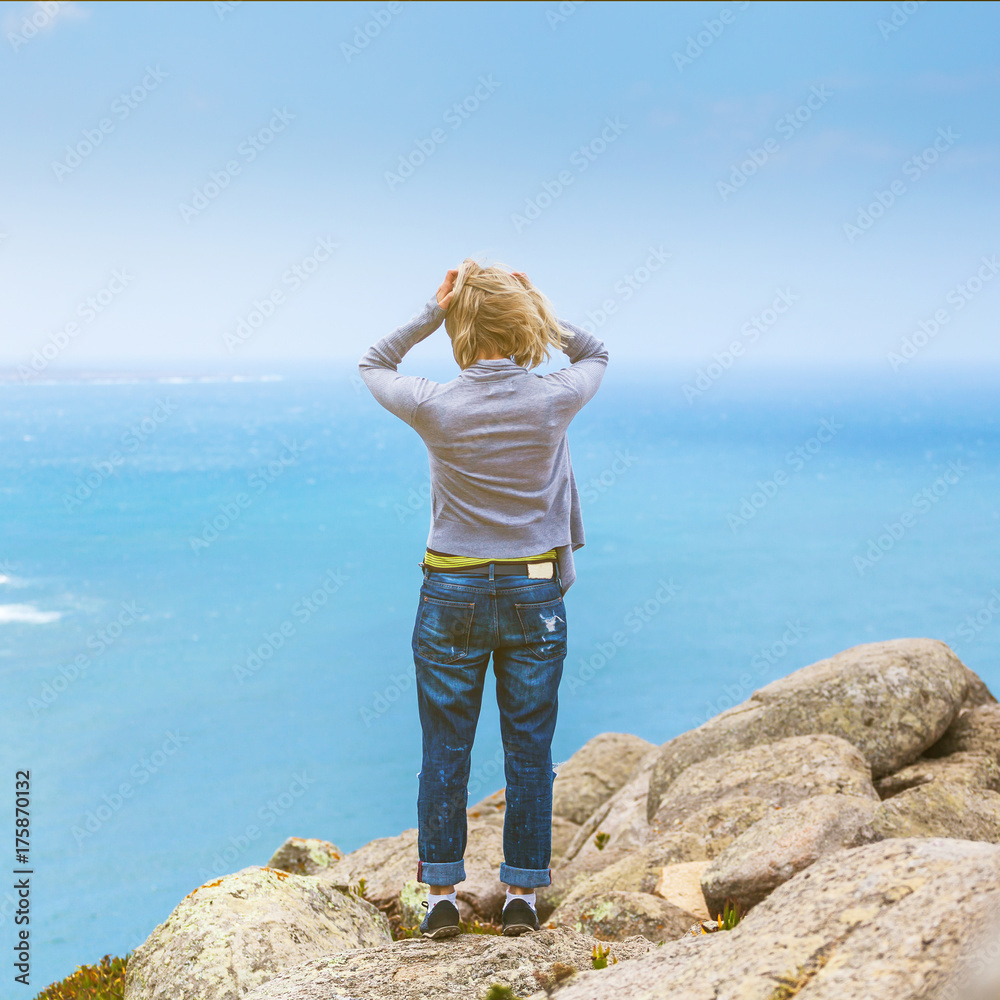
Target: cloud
point(25, 21)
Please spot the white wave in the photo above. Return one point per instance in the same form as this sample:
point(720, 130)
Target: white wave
point(27, 613)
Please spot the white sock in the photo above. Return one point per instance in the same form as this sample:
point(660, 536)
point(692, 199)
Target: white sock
point(528, 897)
point(434, 898)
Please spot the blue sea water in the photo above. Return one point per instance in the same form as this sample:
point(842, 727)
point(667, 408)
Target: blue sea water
point(207, 592)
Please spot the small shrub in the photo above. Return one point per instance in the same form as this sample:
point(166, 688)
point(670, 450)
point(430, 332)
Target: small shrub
point(601, 840)
point(599, 956)
point(360, 889)
point(499, 992)
point(104, 981)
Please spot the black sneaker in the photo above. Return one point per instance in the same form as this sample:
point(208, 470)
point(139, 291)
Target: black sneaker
point(519, 918)
point(442, 921)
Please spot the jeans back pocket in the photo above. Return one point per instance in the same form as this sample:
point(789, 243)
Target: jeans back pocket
point(544, 628)
point(443, 629)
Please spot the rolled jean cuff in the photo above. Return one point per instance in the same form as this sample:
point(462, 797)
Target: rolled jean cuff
point(441, 873)
point(525, 878)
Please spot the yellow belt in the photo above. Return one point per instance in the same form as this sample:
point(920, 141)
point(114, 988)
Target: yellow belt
point(441, 560)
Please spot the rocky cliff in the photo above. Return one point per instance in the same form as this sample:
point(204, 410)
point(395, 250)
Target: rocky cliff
point(849, 812)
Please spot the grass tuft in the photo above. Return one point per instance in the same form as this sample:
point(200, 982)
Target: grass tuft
point(500, 992)
point(104, 981)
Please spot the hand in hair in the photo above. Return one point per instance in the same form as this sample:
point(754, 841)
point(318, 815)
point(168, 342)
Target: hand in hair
point(447, 288)
point(522, 277)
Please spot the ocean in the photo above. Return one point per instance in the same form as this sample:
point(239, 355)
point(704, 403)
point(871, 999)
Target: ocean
point(208, 587)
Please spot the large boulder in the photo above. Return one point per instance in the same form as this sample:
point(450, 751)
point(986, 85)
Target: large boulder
point(464, 967)
point(389, 867)
point(633, 871)
point(964, 768)
point(595, 772)
point(891, 700)
point(680, 884)
point(700, 836)
point(781, 773)
point(978, 693)
point(617, 916)
point(707, 808)
point(305, 856)
point(621, 819)
point(229, 936)
point(940, 809)
point(886, 921)
point(563, 834)
point(718, 823)
point(784, 843)
point(975, 730)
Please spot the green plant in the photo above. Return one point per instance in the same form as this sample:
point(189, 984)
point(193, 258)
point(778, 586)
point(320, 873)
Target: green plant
point(601, 840)
point(725, 921)
point(730, 916)
point(599, 956)
point(360, 889)
point(499, 992)
point(104, 981)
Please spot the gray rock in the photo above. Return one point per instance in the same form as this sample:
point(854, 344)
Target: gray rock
point(617, 916)
point(976, 730)
point(978, 770)
point(595, 772)
point(979, 693)
point(940, 809)
point(699, 836)
point(782, 844)
point(781, 773)
point(885, 921)
point(230, 935)
point(305, 856)
point(463, 967)
point(389, 867)
point(563, 834)
point(680, 884)
point(638, 870)
point(622, 817)
point(891, 700)
point(977, 975)
point(720, 822)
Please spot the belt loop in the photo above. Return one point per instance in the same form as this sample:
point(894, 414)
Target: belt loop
point(491, 571)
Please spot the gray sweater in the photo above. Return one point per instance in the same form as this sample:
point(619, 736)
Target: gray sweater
point(502, 482)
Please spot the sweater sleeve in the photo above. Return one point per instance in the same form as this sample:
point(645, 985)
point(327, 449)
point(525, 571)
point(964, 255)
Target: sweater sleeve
point(588, 359)
point(400, 394)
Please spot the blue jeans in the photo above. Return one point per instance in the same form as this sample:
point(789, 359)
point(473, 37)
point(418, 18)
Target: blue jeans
point(460, 621)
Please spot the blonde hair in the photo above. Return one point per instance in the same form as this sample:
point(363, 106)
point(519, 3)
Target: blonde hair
point(494, 312)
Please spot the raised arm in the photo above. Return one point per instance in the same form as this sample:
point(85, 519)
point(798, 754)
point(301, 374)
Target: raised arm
point(400, 394)
point(588, 359)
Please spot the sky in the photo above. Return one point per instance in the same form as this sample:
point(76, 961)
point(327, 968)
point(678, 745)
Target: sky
point(230, 186)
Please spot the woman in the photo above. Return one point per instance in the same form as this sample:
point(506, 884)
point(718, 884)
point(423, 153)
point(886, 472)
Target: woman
point(505, 520)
